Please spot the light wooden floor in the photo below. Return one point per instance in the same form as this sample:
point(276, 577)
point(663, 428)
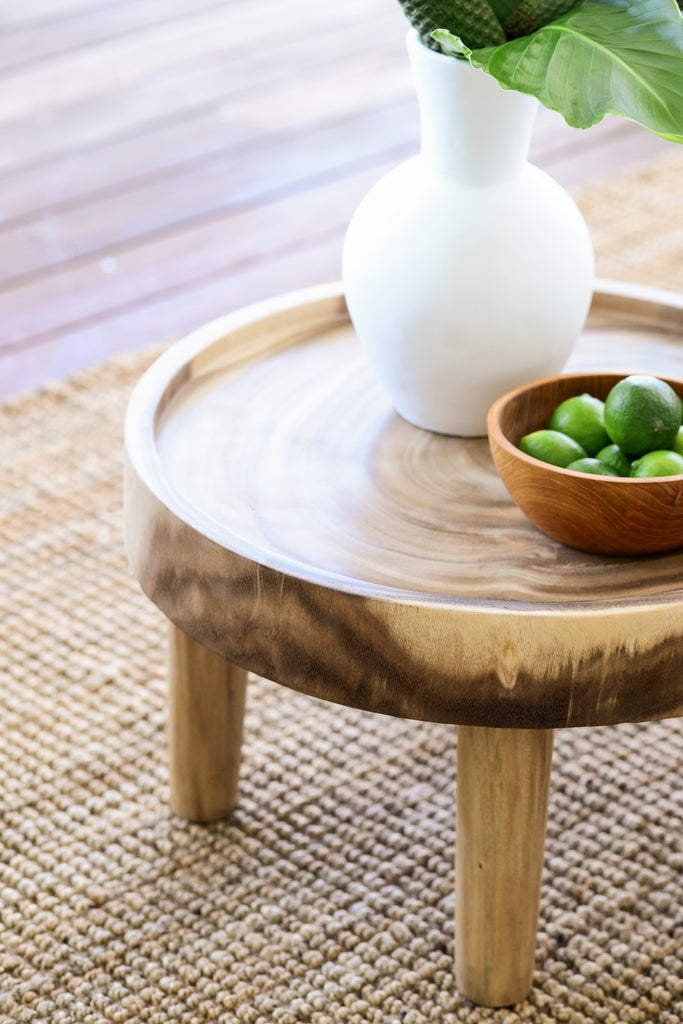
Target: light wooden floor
point(166, 161)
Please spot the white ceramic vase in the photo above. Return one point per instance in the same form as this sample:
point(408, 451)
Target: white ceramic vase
point(467, 270)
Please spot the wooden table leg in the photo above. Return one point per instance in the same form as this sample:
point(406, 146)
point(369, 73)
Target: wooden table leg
point(206, 715)
point(502, 807)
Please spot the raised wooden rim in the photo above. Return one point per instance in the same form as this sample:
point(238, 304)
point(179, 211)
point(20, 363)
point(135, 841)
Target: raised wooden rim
point(298, 315)
point(465, 660)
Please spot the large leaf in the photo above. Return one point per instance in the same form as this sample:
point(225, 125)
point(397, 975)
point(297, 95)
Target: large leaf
point(603, 57)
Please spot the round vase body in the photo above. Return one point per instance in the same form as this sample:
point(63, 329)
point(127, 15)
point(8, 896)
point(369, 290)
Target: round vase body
point(466, 270)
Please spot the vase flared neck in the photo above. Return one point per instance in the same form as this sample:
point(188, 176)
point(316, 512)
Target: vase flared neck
point(472, 129)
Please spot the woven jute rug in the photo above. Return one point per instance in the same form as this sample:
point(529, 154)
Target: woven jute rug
point(328, 896)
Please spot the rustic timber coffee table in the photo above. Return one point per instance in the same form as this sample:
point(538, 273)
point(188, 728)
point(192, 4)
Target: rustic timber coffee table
point(289, 523)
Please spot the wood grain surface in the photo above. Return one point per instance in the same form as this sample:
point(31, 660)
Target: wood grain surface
point(206, 717)
point(281, 513)
point(502, 808)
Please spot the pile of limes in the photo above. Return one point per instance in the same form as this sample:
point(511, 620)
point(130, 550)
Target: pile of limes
point(635, 432)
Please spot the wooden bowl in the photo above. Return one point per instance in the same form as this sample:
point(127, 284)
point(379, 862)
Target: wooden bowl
point(603, 515)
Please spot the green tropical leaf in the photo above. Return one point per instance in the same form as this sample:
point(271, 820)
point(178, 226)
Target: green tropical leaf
point(621, 57)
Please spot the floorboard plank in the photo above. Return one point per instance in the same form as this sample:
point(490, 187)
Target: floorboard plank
point(218, 248)
point(202, 191)
point(241, 126)
point(40, 40)
point(210, 86)
point(224, 32)
point(36, 13)
point(167, 316)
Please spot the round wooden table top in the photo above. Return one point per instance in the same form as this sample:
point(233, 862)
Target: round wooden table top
point(281, 513)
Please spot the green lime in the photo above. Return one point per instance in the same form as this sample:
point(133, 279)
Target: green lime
point(594, 466)
point(678, 442)
point(582, 417)
point(658, 463)
point(551, 446)
point(642, 414)
point(613, 457)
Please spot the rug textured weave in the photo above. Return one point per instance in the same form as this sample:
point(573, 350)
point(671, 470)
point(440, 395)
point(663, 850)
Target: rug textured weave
point(328, 896)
